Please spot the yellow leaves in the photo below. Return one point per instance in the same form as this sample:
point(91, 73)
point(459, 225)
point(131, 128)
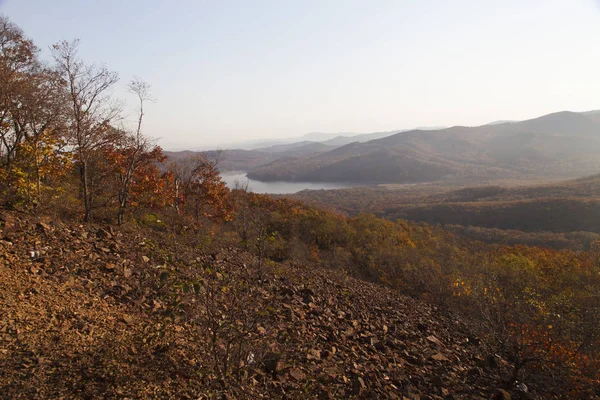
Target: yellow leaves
point(461, 288)
point(38, 165)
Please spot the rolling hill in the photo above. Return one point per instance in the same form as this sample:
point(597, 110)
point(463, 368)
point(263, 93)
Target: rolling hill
point(560, 144)
point(562, 214)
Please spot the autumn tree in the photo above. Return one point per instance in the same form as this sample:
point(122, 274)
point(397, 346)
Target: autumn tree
point(91, 110)
point(135, 156)
point(198, 186)
point(18, 58)
point(31, 116)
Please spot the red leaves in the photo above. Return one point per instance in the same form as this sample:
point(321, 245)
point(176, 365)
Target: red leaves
point(199, 191)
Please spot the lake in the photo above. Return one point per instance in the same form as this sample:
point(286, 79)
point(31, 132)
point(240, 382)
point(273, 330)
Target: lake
point(231, 177)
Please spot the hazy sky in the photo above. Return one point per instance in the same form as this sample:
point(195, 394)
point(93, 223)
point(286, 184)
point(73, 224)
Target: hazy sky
point(225, 71)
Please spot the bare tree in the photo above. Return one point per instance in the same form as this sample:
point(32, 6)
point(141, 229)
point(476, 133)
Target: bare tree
point(138, 148)
point(91, 109)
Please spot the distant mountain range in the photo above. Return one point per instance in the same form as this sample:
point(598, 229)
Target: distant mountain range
point(331, 139)
point(559, 144)
point(562, 144)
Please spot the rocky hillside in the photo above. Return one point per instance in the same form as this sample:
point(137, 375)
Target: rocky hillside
point(97, 312)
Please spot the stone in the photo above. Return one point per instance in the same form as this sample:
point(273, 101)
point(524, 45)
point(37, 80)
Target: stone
point(270, 361)
point(492, 361)
point(501, 394)
point(439, 357)
point(103, 234)
point(434, 340)
point(297, 374)
point(45, 228)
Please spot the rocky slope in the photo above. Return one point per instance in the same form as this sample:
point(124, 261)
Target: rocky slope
point(96, 312)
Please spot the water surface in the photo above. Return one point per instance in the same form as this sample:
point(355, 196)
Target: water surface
point(231, 177)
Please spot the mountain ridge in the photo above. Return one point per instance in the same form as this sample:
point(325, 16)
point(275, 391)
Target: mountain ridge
point(563, 143)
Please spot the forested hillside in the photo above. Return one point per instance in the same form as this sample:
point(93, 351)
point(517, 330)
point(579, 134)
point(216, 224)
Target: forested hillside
point(562, 214)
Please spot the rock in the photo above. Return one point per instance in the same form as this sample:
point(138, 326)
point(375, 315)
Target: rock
point(145, 259)
point(522, 390)
point(439, 357)
point(501, 394)
point(103, 234)
point(314, 354)
point(297, 374)
point(127, 272)
point(308, 295)
point(521, 387)
point(434, 340)
point(45, 228)
point(270, 362)
point(491, 361)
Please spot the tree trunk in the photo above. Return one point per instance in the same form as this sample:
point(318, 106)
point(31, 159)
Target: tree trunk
point(123, 196)
point(86, 195)
point(120, 216)
point(38, 181)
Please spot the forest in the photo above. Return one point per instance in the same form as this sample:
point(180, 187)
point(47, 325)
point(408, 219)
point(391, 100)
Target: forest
point(558, 214)
point(65, 154)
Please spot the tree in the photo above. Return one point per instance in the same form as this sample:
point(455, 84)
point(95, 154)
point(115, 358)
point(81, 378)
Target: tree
point(137, 152)
point(31, 116)
point(197, 179)
point(41, 118)
point(18, 58)
point(91, 110)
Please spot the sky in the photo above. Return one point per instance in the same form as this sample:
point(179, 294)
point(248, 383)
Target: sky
point(224, 71)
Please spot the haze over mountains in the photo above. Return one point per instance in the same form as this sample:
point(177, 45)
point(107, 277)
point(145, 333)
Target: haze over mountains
point(563, 144)
point(559, 144)
point(335, 139)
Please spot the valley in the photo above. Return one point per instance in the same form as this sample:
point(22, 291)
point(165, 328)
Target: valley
point(554, 213)
point(558, 145)
point(515, 182)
